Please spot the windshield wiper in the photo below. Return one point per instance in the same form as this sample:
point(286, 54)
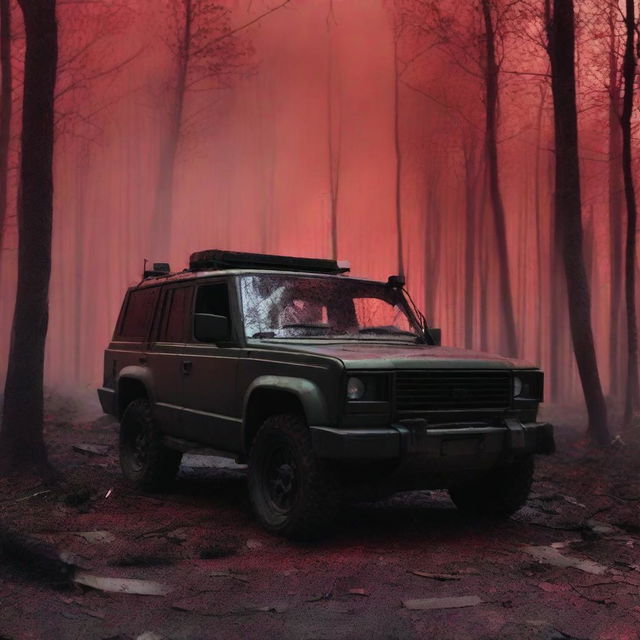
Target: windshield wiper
point(390, 331)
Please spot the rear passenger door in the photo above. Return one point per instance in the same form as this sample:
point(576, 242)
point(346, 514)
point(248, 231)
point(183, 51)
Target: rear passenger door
point(212, 409)
point(165, 357)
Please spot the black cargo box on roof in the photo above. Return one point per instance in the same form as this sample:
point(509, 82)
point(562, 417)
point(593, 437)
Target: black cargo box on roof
point(216, 259)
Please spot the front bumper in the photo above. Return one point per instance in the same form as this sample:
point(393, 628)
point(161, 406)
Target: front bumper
point(439, 446)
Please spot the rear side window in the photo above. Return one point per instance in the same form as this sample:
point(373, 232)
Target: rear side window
point(174, 320)
point(138, 314)
point(213, 298)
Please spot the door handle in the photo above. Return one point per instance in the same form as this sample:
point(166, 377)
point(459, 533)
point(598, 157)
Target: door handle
point(186, 367)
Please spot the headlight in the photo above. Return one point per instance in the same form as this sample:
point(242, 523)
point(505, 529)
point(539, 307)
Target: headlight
point(517, 386)
point(355, 388)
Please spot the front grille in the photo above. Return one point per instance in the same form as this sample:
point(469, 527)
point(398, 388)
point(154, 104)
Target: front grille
point(450, 390)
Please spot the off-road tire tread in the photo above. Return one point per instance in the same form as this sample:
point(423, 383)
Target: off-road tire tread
point(500, 493)
point(163, 463)
point(315, 513)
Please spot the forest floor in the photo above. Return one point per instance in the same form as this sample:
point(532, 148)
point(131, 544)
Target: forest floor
point(566, 566)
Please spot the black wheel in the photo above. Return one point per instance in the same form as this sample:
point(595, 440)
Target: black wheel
point(501, 492)
point(293, 492)
point(144, 460)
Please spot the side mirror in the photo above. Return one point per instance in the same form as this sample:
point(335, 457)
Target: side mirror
point(436, 336)
point(210, 328)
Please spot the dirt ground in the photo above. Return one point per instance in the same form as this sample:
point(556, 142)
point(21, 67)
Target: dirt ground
point(566, 566)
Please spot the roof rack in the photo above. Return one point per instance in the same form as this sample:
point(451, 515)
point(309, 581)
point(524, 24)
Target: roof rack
point(215, 259)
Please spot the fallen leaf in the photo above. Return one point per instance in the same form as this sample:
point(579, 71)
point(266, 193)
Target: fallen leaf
point(92, 449)
point(96, 536)
point(426, 604)
point(434, 576)
point(121, 585)
point(552, 556)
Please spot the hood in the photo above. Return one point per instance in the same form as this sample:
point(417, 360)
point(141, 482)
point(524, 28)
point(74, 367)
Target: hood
point(376, 355)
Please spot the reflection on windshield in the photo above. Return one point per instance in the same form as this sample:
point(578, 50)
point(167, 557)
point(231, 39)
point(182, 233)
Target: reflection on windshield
point(276, 306)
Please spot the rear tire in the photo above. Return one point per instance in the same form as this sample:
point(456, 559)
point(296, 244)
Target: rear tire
point(499, 493)
point(145, 461)
point(293, 493)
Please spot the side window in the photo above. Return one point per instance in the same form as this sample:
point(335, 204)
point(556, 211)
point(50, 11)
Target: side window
point(137, 317)
point(214, 299)
point(174, 320)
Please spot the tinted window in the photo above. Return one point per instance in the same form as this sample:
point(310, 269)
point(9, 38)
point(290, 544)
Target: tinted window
point(138, 314)
point(213, 298)
point(176, 306)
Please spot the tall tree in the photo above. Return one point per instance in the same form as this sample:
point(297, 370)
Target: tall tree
point(334, 136)
point(206, 55)
point(615, 188)
point(6, 107)
point(632, 397)
point(397, 33)
point(568, 210)
point(491, 70)
point(21, 442)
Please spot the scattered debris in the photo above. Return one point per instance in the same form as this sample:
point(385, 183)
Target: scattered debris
point(435, 576)
point(273, 608)
point(149, 635)
point(552, 556)
point(33, 495)
point(572, 500)
point(121, 585)
point(106, 495)
point(254, 544)
point(142, 560)
point(230, 574)
point(359, 592)
point(425, 604)
point(601, 528)
point(92, 449)
point(93, 537)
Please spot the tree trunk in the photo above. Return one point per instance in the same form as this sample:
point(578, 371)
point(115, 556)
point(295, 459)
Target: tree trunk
point(163, 207)
point(21, 442)
point(629, 74)
point(470, 182)
point(334, 154)
point(538, 214)
point(398, 152)
point(491, 141)
point(568, 214)
point(615, 215)
point(6, 105)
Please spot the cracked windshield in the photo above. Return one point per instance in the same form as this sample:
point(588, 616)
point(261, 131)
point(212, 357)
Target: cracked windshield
point(292, 307)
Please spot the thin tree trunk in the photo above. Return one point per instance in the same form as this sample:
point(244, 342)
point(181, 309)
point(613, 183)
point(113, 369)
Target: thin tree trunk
point(568, 218)
point(21, 442)
point(629, 74)
point(163, 207)
point(334, 154)
point(615, 214)
point(398, 153)
point(470, 181)
point(491, 89)
point(6, 107)
point(538, 213)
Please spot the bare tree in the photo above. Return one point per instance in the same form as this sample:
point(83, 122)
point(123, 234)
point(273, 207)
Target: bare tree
point(568, 217)
point(632, 398)
point(334, 136)
point(6, 107)
point(21, 442)
point(207, 54)
point(615, 188)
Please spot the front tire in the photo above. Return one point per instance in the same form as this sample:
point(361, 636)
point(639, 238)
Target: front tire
point(499, 493)
point(293, 493)
point(145, 461)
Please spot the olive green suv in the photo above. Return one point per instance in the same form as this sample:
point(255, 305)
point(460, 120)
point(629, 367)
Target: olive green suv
point(327, 386)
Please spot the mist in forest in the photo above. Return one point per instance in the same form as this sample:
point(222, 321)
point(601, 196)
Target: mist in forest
point(354, 128)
